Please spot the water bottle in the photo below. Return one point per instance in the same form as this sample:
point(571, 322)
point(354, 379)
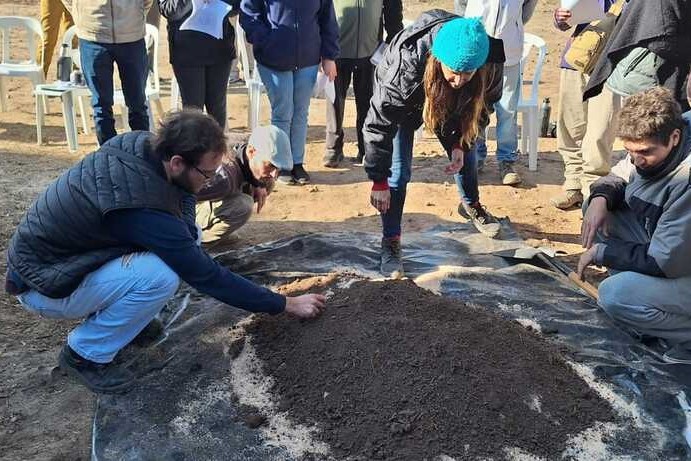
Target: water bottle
point(64, 64)
point(545, 112)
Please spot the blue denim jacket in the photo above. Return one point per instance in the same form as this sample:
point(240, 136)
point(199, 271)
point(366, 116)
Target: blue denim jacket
point(290, 34)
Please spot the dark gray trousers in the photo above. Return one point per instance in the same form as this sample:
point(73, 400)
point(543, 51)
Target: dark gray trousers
point(361, 71)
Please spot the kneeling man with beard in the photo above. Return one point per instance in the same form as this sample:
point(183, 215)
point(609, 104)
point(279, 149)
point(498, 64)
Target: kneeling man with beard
point(110, 239)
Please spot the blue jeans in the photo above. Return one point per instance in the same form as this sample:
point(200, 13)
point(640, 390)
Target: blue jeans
point(97, 65)
point(289, 93)
point(507, 121)
point(466, 179)
point(116, 301)
point(401, 168)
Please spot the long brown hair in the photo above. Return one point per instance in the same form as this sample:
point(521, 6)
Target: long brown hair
point(442, 101)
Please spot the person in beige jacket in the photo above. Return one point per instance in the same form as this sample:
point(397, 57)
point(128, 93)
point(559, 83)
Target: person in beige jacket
point(112, 31)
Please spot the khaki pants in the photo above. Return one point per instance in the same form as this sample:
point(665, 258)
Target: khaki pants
point(55, 20)
point(221, 218)
point(585, 131)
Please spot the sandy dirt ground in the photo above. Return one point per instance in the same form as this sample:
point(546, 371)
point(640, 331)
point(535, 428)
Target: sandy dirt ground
point(42, 416)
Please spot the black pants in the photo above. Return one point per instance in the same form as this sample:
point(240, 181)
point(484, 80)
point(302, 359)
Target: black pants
point(204, 86)
point(362, 72)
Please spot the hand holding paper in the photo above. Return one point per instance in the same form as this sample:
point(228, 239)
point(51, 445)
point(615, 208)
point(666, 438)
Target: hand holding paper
point(584, 11)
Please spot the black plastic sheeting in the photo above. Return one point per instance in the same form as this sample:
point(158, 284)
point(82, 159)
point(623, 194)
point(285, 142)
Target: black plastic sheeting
point(183, 407)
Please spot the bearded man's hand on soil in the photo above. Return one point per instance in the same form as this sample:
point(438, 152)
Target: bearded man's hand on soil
point(305, 306)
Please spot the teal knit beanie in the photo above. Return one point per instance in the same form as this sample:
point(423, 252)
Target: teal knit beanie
point(461, 44)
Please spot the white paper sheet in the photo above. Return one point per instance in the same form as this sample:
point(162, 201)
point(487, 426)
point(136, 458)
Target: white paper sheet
point(584, 11)
point(207, 17)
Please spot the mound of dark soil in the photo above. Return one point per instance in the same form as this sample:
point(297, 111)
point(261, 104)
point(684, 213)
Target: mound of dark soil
point(392, 371)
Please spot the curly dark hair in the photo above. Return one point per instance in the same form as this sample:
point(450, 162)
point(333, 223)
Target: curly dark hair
point(190, 134)
point(650, 114)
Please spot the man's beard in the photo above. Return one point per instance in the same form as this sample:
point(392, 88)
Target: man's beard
point(184, 182)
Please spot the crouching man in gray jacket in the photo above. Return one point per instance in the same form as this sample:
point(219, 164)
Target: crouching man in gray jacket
point(638, 224)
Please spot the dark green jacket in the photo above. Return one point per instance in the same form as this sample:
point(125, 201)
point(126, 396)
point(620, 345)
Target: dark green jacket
point(360, 25)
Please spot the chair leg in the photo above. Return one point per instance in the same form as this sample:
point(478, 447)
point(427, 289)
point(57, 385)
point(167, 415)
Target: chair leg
point(70, 123)
point(150, 113)
point(124, 118)
point(3, 96)
point(39, 119)
point(525, 129)
point(174, 94)
point(160, 111)
point(255, 94)
point(534, 134)
point(84, 111)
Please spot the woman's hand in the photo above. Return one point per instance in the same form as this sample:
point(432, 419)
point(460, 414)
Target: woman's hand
point(380, 199)
point(456, 161)
point(329, 69)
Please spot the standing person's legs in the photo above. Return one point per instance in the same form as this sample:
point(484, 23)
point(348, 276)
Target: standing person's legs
point(571, 128)
point(216, 87)
point(603, 115)
point(55, 20)
point(401, 168)
point(363, 86)
point(279, 88)
point(466, 179)
point(133, 67)
point(97, 66)
point(334, 114)
point(507, 124)
point(480, 148)
point(116, 301)
point(192, 83)
point(391, 264)
point(303, 83)
point(470, 207)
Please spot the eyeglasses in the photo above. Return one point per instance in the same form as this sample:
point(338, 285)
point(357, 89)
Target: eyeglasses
point(209, 175)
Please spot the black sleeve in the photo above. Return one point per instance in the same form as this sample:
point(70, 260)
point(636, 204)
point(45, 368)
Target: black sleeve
point(612, 188)
point(174, 10)
point(630, 256)
point(393, 18)
point(385, 113)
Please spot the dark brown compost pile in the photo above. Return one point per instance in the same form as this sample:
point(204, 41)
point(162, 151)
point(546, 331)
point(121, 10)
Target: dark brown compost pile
point(393, 371)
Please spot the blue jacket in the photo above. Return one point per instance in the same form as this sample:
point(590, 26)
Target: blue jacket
point(290, 34)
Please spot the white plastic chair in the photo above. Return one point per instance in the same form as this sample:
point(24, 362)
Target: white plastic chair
point(153, 83)
point(67, 95)
point(529, 106)
point(79, 94)
point(252, 80)
point(11, 68)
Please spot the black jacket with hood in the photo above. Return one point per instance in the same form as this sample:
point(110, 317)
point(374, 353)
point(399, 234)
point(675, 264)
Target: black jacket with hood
point(399, 92)
point(663, 27)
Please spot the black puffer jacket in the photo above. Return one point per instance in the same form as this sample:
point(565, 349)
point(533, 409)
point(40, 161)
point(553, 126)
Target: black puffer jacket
point(64, 236)
point(399, 92)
